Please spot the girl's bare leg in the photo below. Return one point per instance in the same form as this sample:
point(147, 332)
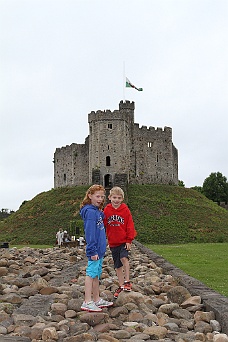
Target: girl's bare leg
point(88, 289)
point(95, 289)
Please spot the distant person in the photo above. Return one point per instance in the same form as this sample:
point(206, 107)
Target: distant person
point(66, 236)
point(120, 233)
point(81, 241)
point(92, 215)
point(59, 237)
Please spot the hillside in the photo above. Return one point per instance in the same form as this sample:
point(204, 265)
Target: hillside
point(171, 214)
point(162, 214)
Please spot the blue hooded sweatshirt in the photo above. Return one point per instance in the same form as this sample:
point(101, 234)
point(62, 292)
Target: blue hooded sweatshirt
point(95, 235)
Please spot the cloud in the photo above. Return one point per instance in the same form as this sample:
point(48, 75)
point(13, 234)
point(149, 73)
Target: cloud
point(62, 59)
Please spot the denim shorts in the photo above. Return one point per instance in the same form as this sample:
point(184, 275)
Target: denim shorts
point(94, 268)
point(118, 253)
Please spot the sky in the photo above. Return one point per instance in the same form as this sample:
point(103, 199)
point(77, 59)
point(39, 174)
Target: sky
point(62, 59)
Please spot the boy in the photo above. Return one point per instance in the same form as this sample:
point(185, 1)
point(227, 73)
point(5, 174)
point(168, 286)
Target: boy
point(120, 233)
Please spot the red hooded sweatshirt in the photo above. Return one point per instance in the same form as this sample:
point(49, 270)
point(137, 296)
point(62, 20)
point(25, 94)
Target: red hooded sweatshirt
point(119, 225)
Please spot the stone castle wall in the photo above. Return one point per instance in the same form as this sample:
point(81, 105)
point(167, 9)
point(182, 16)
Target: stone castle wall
point(155, 156)
point(71, 165)
point(117, 146)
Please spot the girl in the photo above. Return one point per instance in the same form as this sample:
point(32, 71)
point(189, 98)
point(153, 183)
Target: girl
point(92, 215)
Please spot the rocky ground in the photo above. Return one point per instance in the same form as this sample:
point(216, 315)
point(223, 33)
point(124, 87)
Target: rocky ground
point(40, 302)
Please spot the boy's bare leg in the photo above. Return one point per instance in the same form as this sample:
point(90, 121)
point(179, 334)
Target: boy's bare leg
point(120, 275)
point(126, 268)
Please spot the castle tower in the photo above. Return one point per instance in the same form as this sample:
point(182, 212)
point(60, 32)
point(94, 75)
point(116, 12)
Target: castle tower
point(110, 143)
point(117, 152)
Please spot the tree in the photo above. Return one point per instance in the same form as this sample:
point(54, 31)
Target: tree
point(181, 183)
point(197, 188)
point(4, 213)
point(215, 187)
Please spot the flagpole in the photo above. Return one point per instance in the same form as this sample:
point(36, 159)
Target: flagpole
point(124, 80)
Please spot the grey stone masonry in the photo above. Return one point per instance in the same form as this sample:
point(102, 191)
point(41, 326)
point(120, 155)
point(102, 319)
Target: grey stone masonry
point(117, 146)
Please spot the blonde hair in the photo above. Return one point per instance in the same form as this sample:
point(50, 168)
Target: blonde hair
point(116, 191)
point(91, 191)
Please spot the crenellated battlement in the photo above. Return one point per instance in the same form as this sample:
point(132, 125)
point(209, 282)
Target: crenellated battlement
point(127, 105)
point(123, 106)
point(103, 112)
point(166, 130)
point(126, 112)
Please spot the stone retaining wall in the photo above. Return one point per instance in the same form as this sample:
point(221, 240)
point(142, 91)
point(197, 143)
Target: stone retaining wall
point(212, 300)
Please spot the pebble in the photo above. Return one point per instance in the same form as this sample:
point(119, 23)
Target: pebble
point(41, 292)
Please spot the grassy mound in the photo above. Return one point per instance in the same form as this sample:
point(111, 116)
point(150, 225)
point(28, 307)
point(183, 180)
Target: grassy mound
point(162, 215)
point(166, 214)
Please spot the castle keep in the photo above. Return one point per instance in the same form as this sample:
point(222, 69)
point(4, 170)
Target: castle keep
point(117, 152)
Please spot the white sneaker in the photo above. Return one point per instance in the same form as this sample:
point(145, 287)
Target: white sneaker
point(90, 306)
point(103, 303)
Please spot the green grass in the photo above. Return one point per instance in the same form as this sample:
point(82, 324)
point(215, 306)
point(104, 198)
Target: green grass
point(163, 214)
point(206, 262)
point(166, 214)
point(38, 220)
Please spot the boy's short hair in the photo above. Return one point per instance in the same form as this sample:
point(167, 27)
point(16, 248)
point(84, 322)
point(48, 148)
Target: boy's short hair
point(116, 191)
